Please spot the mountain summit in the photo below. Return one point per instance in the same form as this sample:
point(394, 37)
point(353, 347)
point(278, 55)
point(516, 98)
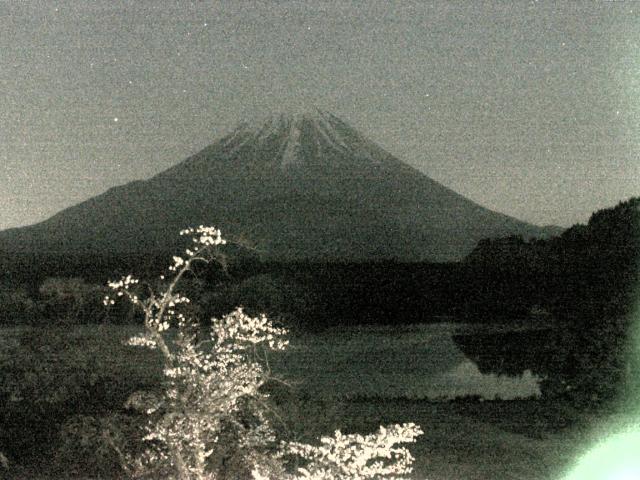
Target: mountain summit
point(303, 185)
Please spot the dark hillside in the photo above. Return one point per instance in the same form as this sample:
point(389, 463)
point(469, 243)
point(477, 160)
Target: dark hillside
point(588, 279)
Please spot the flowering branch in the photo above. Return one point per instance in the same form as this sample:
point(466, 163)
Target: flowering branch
point(358, 457)
point(212, 420)
point(212, 396)
point(159, 310)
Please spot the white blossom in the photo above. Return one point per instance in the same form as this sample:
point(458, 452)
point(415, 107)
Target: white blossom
point(358, 457)
point(141, 341)
point(211, 388)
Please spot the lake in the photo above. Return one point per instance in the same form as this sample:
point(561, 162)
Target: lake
point(411, 362)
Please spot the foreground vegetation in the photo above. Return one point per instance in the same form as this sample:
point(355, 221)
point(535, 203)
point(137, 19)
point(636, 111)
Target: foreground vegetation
point(211, 415)
point(81, 378)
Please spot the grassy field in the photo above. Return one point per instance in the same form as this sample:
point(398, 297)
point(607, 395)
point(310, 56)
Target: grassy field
point(353, 379)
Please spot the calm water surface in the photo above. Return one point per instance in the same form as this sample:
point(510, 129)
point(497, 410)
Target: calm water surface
point(415, 362)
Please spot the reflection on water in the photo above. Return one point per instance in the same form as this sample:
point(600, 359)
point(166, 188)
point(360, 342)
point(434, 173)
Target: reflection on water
point(466, 379)
point(417, 362)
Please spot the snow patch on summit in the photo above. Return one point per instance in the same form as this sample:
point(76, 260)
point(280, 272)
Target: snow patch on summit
point(292, 149)
point(328, 132)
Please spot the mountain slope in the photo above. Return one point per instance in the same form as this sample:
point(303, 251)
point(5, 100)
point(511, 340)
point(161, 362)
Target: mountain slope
point(299, 186)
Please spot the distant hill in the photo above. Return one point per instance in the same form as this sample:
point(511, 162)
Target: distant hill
point(305, 186)
point(588, 280)
point(610, 241)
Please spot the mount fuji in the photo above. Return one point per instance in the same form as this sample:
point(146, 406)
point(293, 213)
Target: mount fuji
point(302, 186)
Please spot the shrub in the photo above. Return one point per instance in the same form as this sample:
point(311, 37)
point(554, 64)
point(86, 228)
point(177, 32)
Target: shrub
point(16, 307)
point(72, 301)
point(92, 445)
point(41, 383)
point(213, 419)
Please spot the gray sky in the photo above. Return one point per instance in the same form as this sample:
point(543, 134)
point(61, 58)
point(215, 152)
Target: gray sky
point(528, 108)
